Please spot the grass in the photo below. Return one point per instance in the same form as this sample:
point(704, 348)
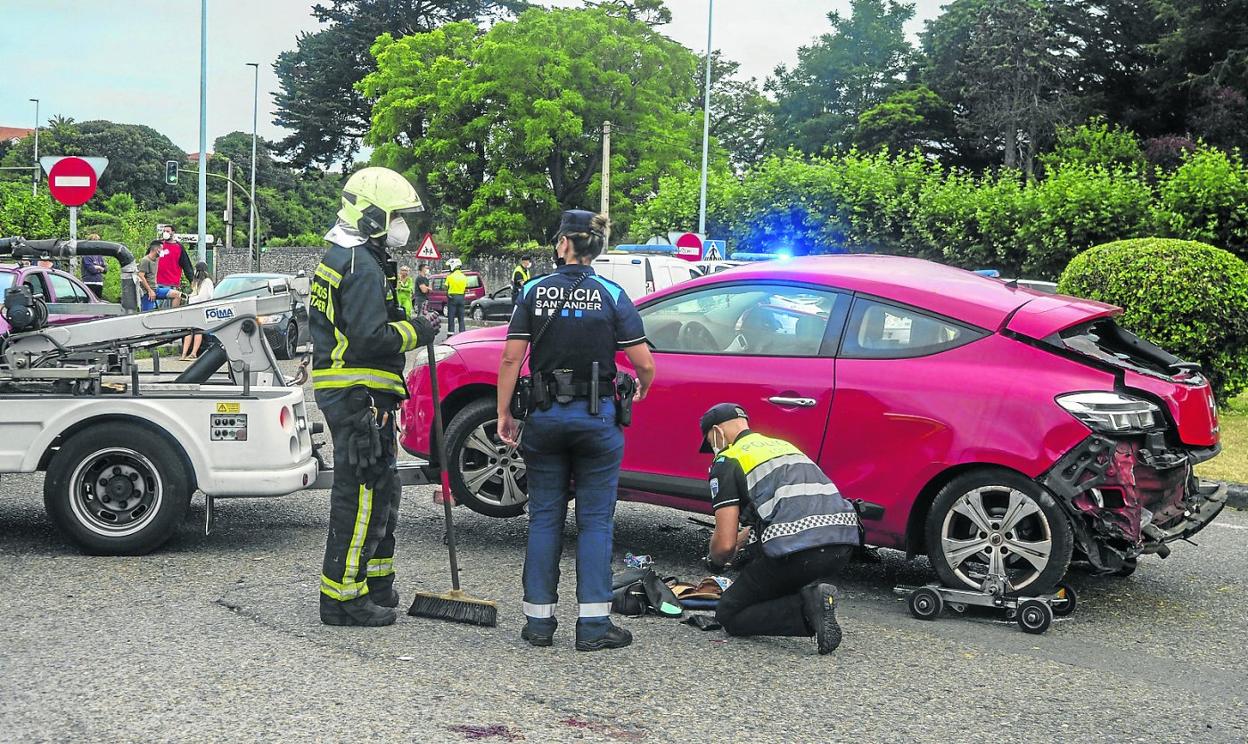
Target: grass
point(1232, 464)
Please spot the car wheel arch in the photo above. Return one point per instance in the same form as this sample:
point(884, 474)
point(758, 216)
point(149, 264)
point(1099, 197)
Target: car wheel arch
point(916, 523)
point(456, 401)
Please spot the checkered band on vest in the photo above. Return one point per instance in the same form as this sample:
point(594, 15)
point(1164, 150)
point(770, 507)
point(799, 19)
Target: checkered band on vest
point(798, 507)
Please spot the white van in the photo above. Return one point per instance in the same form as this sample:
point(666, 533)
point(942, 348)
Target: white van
point(641, 274)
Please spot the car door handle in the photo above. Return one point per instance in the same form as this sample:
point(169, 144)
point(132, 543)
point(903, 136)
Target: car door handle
point(782, 400)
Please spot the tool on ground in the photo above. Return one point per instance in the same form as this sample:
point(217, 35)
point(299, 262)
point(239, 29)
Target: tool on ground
point(454, 605)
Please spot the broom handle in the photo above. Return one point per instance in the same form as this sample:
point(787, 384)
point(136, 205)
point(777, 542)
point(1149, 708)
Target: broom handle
point(440, 444)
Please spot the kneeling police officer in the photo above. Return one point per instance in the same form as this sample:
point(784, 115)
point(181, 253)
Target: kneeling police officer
point(799, 532)
point(574, 322)
point(360, 338)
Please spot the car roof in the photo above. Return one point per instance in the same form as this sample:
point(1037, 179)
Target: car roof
point(261, 275)
point(954, 293)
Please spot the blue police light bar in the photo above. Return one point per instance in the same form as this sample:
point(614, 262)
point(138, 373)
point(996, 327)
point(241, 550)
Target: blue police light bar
point(748, 256)
point(990, 273)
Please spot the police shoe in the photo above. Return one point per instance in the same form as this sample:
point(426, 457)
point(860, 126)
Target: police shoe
point(615, 637)
point(360, 612)
point(819, 609)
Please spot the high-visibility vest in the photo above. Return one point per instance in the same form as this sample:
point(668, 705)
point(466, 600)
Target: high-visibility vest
point(523, 272)
point(456, 283)
point(798, 507)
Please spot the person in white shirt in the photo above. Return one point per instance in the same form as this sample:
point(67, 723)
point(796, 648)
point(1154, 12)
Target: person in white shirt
point(201, 291)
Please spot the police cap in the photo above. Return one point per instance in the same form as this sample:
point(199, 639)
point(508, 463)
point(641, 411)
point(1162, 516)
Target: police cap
point(718, 414)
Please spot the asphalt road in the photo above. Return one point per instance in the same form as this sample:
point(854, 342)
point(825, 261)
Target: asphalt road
point(216, 638)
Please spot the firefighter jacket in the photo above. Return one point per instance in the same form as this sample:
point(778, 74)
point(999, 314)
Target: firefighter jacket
point(359, 336)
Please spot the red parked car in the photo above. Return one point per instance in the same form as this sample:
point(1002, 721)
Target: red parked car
point(49, 285)
point(997, 427)
point(437, 290)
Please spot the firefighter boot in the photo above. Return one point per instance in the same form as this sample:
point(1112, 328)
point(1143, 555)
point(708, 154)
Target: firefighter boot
point(361, 611)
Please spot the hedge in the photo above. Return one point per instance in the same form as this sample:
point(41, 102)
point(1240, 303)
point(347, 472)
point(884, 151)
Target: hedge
point(1188, 298)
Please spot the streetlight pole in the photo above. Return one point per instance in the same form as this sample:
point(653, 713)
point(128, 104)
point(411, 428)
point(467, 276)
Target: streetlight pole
point(34, 184)
point(706, 119)
point(203, 130)
point(251, 220)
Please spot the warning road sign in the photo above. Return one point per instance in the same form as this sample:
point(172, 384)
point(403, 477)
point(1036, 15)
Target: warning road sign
point(73, 180)
point(428, 249)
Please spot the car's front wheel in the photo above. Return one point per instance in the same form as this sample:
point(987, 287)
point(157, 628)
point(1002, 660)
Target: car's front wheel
point(487, 475)
point(998, 522)
point(289, 348)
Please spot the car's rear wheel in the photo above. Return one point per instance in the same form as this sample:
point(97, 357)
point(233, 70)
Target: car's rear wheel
point(487, 475)
point(998, 521)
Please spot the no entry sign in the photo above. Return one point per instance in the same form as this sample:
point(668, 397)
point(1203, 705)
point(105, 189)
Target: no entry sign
point(73, 180)
point(689, 247)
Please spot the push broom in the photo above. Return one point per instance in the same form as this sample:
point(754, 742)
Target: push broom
point(455, 605)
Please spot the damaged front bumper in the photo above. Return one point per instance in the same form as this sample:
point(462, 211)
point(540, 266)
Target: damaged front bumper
point(1131, 497)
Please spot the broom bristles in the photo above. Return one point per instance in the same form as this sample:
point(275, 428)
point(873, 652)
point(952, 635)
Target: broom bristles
point(456, 607)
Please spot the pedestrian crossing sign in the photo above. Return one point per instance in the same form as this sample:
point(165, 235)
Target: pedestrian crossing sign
point(428, 249)
point(714, 250)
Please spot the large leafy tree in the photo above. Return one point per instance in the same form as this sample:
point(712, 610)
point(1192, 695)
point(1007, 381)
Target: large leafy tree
point(845, 72)
point(319, 100)
point(502, 129)
point(742, 118)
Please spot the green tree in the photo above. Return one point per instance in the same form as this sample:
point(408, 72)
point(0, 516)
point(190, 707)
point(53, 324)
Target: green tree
point(1206, 199)
point(31, 216)
point(914, 118)
point(742, 118)
point(505, 125)
point(844, 73)
point(1096, 143)
point(319, 99)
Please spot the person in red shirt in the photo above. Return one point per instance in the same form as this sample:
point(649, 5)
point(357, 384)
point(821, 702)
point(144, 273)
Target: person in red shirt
point(175, 262)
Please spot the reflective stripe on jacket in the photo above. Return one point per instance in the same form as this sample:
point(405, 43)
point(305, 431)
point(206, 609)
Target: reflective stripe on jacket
point(354, 342)
point(797, 506)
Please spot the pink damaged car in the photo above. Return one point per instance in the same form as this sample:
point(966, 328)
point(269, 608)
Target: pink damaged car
point(989, 426)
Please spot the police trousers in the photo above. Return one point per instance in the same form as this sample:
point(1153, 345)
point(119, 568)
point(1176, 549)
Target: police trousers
point(359, 552)
point(764, 600)
point(562, 443)
point(454, 310)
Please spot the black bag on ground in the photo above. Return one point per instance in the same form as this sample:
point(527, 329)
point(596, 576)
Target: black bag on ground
point(640, 590)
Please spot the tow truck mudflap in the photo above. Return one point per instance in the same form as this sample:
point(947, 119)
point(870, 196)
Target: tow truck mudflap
point(411, 473)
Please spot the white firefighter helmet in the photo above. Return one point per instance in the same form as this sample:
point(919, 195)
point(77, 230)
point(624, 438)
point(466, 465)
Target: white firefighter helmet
point(373, 197)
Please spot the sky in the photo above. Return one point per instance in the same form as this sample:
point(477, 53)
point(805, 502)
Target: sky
point(137, 61)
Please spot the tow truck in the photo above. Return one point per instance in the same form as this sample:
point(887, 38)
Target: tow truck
point(123, 448)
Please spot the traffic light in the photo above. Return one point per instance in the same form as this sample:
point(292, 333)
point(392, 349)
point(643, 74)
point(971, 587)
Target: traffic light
point(171, 172)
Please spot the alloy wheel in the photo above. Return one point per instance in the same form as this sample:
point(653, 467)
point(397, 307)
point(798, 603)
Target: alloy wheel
point(493, 470)
point(997, 530)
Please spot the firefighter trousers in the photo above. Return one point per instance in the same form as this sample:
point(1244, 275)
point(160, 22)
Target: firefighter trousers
point(359, 553)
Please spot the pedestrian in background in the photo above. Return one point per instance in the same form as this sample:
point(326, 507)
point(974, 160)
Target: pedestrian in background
point(93, 270)
point(149, 291)
point(404, 288)
point(421, 295)
point(175, 263)
point(201, 291)
point(575, 322)
point(456, 287)
point(519, 276)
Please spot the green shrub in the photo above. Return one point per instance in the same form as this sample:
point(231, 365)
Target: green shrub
point(1206, 199)
point(1188, 298)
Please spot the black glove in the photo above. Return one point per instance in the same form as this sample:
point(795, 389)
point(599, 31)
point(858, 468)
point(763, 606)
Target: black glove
point(363, 444)
point(427, 326)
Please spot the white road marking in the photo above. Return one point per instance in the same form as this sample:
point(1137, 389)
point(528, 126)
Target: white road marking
point(83, 181)
point(1230, 526)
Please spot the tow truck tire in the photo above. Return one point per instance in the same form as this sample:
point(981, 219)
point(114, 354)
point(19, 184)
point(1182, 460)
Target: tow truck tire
point(117, 488)
point(925, 603)
point(491, 497)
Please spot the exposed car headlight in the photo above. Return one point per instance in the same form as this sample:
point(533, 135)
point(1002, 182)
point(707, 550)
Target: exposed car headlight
point(440, 352)
point(1111, 413)
point(271, 319)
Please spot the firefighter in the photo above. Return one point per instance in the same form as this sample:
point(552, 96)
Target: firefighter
point(799, 532)
point(360, 337)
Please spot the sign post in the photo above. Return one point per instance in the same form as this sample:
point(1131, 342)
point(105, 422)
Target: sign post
point(72, 181)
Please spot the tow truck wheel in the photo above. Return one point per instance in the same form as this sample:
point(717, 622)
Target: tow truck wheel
point(486, 475)
point(925, 603)
point(1034, 616)
point(995, 521)
point(1067, 599)
point(117, 489)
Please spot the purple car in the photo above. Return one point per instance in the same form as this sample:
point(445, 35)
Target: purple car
point(49, 285)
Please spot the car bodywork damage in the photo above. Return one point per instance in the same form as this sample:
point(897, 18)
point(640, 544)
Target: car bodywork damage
point(1129, 497)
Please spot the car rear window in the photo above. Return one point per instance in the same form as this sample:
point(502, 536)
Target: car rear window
point(1109, 342)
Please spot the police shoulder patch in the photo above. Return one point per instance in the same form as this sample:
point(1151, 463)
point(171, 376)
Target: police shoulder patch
point(714, 487)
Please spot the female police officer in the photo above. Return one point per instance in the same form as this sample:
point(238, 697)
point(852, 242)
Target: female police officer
point(575, 322)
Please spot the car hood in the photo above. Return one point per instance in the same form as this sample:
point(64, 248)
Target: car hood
point(495, 334)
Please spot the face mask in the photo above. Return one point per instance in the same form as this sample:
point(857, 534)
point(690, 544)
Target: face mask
point(723, 445)
point(168, 235)
point(398, 234)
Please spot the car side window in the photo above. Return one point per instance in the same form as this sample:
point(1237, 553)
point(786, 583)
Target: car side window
point(38, 287)
point(748, 320)
point(878, 330)
point(438, 284)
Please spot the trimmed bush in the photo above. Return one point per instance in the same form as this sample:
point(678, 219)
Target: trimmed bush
point(1188, 298)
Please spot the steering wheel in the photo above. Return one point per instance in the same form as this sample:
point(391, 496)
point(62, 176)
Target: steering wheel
point(694, 336)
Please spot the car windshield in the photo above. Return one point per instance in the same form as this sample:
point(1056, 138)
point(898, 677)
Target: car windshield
point(242, 285)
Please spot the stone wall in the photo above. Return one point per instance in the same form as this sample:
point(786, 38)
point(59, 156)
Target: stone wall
point(496, 269)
